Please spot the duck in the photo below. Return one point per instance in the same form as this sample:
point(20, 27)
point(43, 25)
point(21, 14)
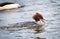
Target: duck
point(38, 17)
point(9, 5)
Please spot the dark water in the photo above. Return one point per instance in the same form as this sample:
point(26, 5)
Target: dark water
point(50, 9)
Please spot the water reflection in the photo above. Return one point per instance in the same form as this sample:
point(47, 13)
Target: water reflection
point(29, 31)
point(36, 28)
point(39, 29)
point(40, 38)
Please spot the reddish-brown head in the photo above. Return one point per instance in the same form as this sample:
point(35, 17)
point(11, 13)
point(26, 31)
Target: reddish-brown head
point(38, 17)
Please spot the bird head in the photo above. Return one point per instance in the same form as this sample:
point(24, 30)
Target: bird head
point(38, 17)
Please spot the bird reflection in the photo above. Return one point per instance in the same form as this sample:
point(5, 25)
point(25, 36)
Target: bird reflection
point(40, 38)
point(39, 29)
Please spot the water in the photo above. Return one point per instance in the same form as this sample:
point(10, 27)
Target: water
point(50, 9)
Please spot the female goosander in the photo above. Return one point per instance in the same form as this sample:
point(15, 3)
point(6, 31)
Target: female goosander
point(37, 17)
point(8, 5)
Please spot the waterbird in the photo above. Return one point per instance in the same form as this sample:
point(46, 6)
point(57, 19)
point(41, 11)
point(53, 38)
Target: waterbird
point(37, 17)
point(9, 5)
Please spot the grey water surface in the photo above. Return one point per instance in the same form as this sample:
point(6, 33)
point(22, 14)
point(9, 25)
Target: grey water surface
point(50, 9)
